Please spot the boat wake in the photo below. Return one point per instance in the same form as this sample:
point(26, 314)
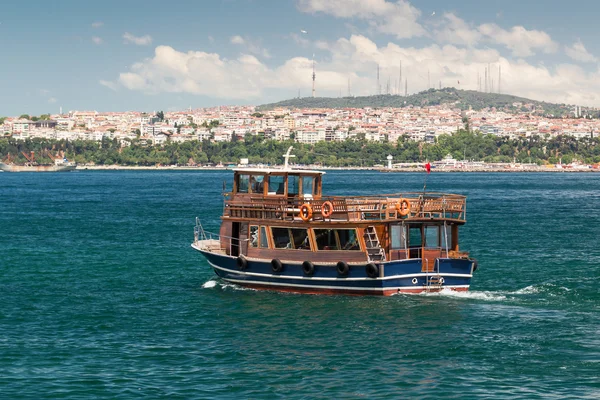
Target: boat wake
point(528, 292)
point(209, 284)
point(470, 295)
point(215, 283)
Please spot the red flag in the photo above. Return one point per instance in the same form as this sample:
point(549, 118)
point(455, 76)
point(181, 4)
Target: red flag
point(428, 167)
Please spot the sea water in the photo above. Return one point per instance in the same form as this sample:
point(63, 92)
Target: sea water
point(101, 296)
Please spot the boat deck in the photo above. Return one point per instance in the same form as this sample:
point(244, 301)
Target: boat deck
point(351, 208)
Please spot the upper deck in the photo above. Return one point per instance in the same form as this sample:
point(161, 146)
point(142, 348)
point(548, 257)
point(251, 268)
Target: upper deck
point(285, 194)
point(279, 194)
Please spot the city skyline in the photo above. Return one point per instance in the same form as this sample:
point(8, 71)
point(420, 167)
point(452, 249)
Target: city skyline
point(152, 55)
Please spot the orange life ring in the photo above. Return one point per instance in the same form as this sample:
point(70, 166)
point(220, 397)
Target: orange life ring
point(327, 209)
point(306, 212)
point(403, 207)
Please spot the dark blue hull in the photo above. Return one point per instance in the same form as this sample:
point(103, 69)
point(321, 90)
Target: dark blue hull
point(402, 276)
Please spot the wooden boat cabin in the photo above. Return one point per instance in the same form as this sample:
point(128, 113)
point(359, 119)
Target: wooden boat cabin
point(282, 215)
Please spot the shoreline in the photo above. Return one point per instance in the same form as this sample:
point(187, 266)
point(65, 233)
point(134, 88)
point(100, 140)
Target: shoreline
point(383, 170)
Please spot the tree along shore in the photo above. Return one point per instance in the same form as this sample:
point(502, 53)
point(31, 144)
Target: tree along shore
point(353, 152)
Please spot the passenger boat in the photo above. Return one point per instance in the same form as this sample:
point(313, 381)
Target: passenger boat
point(61, 164)
point(280, 232)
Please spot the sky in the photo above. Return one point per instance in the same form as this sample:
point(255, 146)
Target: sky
point(171, 55)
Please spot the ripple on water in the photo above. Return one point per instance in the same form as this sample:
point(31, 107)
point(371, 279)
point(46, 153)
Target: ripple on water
point(102, 297)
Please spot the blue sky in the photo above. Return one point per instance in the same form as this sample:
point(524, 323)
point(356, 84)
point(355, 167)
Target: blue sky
point(151, 55)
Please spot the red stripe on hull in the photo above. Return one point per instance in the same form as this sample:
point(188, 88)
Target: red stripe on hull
point(351, 292)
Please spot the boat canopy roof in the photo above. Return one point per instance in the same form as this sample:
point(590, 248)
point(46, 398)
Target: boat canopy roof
point(277, 171)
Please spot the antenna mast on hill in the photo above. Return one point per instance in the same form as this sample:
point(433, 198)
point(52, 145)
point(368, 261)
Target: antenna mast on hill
point(313, 77)
point(406, 87)
point(400, 79)
point(486, 79)
point(378, 85)
point(499, 78)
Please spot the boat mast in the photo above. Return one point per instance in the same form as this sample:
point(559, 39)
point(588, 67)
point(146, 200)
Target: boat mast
point(286, 157)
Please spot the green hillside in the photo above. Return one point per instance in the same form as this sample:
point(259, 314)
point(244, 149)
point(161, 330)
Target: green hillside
point(463, 99)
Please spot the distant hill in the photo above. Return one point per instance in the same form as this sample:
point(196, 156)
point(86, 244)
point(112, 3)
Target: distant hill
point(463, 99)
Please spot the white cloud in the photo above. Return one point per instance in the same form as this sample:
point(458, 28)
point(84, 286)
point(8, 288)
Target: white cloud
point(355, 58)
point(398, 19)
point(97, 24)
point(578, 52)
point(52, 100)
point(300, 40)
point(109, 84)
point(138, 40)
point(455, 30)
point(251, 46)
point(97, 40)
point(237, 39)
point(520, 41)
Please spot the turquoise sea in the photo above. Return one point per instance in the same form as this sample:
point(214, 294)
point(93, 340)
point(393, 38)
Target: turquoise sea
point(101, 296)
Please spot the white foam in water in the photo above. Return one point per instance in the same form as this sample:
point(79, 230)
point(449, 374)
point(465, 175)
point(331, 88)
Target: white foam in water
point(528, 290)
point(488, 296)
point(210, 284)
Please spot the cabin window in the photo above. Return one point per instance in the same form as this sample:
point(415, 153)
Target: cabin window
point(398, 236)
point(432, 236)
point(348, 239)
point(290, 238)
point(264, 239)
point(414, 236)
point(307, 186)
point(253, 236)
point(257, 239)
point(293, 183)
point(300, 237)
point(276, 184)
point(336, 239)
point(243, 181)
point(257, 183)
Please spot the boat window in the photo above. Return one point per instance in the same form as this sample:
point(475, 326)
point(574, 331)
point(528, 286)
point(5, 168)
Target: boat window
point(281, 238)
point(243, 183)
point(253, 236)
point(257, 183)
point(326, 239)
point(348, 239)
point(290, 238)
point(264, 240)
point(307, 186)
point(300, 237)
point(414, 236)
point(276, 184)
point(336, 239)
point(293, 181)
point(398, 236)
point(432, 236)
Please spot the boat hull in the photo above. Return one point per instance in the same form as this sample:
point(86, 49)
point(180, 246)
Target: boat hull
point(36, 168)
point(402, 276)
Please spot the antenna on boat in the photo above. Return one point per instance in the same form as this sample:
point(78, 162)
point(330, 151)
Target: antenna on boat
point(287, 156)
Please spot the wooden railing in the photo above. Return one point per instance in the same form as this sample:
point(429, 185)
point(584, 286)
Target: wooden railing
point(351, 208)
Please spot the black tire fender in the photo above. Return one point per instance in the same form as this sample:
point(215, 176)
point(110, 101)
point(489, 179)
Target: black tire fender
point(342, 268)
point(372, 270)
point(242, 262)
point(308, 268)
point(276, 265)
